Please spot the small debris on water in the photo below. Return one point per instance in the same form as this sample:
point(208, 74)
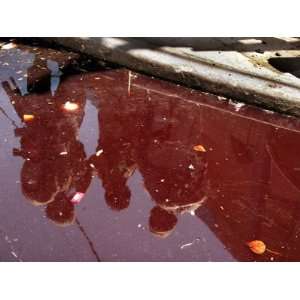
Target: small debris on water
point(63, 153)
point(99, 152)
point(129, 83)
point(189, 244)
point(28, 118)
point(14, 254)
point(191, 167)
point(77, 198)
point(257, 246)
point(199, 148)
point(70, 106)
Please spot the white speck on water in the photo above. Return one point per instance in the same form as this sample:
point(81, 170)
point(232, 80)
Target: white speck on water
point(139, 225)
point(189, 244)
point(191, 167)
point(162, 180)
point(63, 153)
point(99, 152)
point(93, 166)
point(14, 254)
point(192, 212)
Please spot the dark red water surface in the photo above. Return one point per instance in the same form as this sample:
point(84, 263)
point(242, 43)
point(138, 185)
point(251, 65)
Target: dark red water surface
point(148, 194)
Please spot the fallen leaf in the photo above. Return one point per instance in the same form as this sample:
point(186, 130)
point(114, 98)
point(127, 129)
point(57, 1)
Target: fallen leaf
point(71, 106)
point(27, 118)
point(257, 246)
point(199, 148)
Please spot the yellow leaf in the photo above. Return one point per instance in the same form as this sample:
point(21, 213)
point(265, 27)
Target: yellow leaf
point(257, 246)
point(199, 148)
point(27, 118)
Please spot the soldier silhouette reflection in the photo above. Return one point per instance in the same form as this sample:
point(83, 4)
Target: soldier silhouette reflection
point(55, 165)
point(114, 159)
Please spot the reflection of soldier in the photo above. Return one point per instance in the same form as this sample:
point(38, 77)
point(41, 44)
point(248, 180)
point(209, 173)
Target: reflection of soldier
point(55, 166)
point(114, 158)
point(173, 172)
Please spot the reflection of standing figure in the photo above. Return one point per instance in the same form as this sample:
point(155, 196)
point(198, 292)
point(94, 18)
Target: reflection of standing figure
point(114, 158)
point(55, 166)
point(174, 173)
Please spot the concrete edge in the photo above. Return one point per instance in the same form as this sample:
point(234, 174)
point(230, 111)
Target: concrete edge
point(213, 78)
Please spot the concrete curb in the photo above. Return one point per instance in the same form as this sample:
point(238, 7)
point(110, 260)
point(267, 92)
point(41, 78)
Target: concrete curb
point(221, 66)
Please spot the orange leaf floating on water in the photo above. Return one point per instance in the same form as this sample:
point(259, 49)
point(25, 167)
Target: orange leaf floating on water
point(199, 148)
point(27, 118)
point(257, 246)
point(70, 106)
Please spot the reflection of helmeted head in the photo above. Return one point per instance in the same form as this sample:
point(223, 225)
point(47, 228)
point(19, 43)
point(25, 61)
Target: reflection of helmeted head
point(61, 210)
point(38, 183)
point(114, 171)
point(161, 221)
point(117, 197)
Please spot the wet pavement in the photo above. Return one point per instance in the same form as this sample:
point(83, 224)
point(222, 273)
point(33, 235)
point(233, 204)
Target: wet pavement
point(111, 165)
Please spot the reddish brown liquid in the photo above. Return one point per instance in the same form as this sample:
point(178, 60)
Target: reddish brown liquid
point(149, 196)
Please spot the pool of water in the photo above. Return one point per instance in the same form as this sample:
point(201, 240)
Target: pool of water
point(112, 165)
